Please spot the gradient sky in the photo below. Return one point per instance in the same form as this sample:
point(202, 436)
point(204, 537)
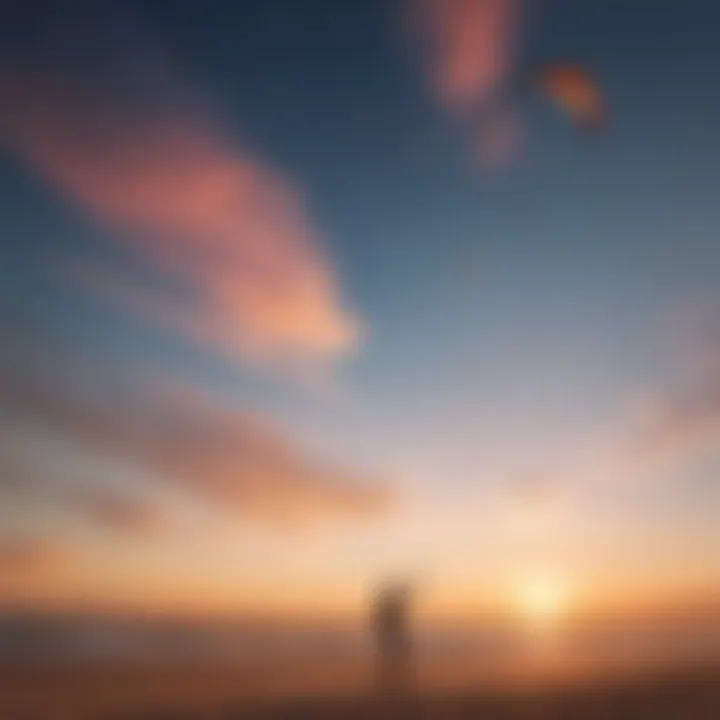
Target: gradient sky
point(279, 317)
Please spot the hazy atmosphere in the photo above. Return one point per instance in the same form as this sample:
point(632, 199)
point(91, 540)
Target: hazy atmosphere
point(298, 297)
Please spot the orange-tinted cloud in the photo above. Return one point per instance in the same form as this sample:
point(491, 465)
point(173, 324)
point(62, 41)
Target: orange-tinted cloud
point(124, 514)
point(237, 461)
point(658, 432)
point(679, 424)
point(470, 46)
point(23, 557)
point(668, 426)
point(27, 481)
point(225, 230)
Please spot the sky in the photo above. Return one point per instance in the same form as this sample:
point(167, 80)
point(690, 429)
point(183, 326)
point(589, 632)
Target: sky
point(296, 296)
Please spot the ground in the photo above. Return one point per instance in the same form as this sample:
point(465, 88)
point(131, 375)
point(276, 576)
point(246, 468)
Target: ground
point(690, 694)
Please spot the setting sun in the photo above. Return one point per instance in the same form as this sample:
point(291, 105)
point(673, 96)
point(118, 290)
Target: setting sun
point(541, 601)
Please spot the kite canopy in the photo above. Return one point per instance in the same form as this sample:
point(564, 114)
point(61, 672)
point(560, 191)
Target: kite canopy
point(576, 91)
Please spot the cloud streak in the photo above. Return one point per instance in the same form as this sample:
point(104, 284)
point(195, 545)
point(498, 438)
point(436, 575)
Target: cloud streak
point(656, 434)
point(667, 427)
point(470, 48)
point(238, 462)
point(123, 142)
point(24, 557)
point(673, 427)
point(470, 45)
point(25, 481)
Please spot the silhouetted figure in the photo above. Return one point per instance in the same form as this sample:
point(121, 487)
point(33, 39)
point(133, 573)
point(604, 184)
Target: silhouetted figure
point(392, 638)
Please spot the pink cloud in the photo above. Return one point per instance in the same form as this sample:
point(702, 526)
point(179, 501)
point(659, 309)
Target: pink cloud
point(500, 139)
point(470, 46)
point(470, 43)
point(670, 426)
point(674, 426)
point(665, 429)
point(21, 557)
point(227, 229)
point(239, 462)
point(29, 481)
point(125, 514)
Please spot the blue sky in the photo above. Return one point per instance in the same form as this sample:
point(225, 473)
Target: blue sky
point(466, 327)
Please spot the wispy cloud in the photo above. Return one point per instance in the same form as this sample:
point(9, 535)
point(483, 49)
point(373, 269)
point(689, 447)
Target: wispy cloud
point(655, 433)
point(500, 138)
point(470, 50)
point(470, 45)
point(239, 462)
point(666, 427)
point(27, 481)
point(685, 419)
point(21, 557)
point(674, 426)
point(122, 139)
point(120, 512)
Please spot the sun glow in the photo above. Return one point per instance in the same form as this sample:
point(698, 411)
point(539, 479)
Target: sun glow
point(541, 601)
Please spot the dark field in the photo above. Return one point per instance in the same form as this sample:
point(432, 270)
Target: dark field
point(680, 696)
point(217, 694)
